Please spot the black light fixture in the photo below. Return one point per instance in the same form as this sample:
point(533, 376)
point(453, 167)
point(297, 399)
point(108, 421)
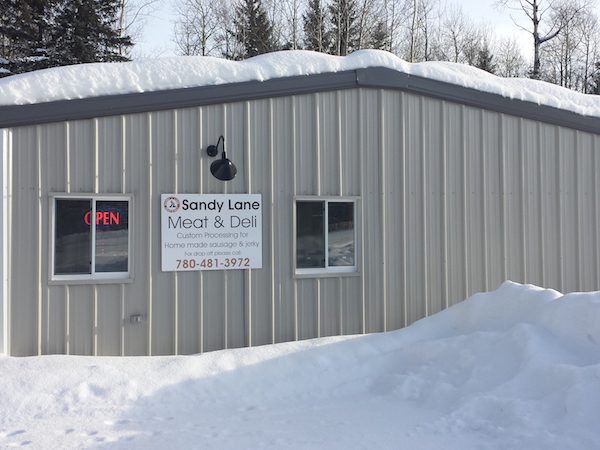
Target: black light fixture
point(222, 169)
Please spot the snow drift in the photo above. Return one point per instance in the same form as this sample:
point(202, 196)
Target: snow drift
point(515, 368)
point(98, 79)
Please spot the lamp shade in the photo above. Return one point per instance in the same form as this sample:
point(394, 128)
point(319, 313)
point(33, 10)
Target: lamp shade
point(223, 169)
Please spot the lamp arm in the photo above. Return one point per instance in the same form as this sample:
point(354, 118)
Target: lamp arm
point(222, 140)
point(213, 150)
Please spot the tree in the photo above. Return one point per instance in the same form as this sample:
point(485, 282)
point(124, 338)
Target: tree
point(568, 59)
point(196, 27)
point(594, 84)
point(561, 55)
point(429, 25)
point(485, 59)
point(393, 15)
point(291, 16)
point(85, 32)
point(454, 30)
point(226, 39)
point(316, 36)
point(343, 27)
point(590, 44)
point(535, 11)
point(413, 30)
point(132, 16)
point(25, 35)
point(509, 59)
point(365, 22)
point(419, 17)
point(461, 39)
point(276, 16)
point(36, 34)
point(253, 29)
point(379, 38)
point(475, 42)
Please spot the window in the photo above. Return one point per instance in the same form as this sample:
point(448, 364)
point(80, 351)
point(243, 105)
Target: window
point(90, 237)
point(325, 236)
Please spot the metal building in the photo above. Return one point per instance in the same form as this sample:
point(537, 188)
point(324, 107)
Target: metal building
point(438, 192)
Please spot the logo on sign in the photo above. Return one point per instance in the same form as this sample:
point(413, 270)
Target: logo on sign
point(171, 204)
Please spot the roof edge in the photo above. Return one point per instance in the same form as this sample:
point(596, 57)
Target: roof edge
point(372, 77)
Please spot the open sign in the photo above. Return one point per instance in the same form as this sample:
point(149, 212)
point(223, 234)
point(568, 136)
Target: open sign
point(103, 218)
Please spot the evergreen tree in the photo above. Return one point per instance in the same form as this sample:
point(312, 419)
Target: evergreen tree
point(36, 34)
point(344, 31)
point(6, 14)
point(25, 27)
point(594, 87)
point(253, 29)
point(379, 38)
point(316, 36)
point(485, 59)
point(86, 32)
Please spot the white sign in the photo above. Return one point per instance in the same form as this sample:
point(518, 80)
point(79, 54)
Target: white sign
point(211, 231)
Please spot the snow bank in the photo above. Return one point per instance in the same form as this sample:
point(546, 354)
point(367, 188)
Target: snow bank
point(90, 80)
point(515, 368)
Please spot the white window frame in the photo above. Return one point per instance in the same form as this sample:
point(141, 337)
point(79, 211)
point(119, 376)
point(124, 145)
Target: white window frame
point(93, 277)
point(328, 271)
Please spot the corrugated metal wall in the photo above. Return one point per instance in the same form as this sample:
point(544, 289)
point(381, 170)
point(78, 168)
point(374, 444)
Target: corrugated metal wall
point(4, 145)
point(454, 200)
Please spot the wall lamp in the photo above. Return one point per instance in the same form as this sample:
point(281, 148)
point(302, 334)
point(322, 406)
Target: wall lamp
point(222, 169)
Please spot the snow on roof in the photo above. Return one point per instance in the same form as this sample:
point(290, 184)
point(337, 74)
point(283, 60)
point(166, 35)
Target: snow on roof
point(100, 79)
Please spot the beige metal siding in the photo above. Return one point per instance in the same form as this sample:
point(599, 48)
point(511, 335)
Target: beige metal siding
point(24, 316)
point(452, 199)
point(137, 295)
point(4, 261)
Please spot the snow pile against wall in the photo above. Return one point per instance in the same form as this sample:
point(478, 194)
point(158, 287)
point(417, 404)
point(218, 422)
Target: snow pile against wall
point(99, 79)
point(514, 368)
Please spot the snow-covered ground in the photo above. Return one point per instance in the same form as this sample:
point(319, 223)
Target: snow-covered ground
point(515, 368)
point(98, 79)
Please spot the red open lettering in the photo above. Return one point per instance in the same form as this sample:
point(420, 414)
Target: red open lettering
point(103, 218)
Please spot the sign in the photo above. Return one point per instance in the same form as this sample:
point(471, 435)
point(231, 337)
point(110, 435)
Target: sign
point(103, 218)
point(211, 231)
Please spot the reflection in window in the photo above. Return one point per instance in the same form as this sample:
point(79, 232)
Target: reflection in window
point(325, 234)
point(112, 241)
point(73, 238)
point(310, 240)
point(341, 234)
